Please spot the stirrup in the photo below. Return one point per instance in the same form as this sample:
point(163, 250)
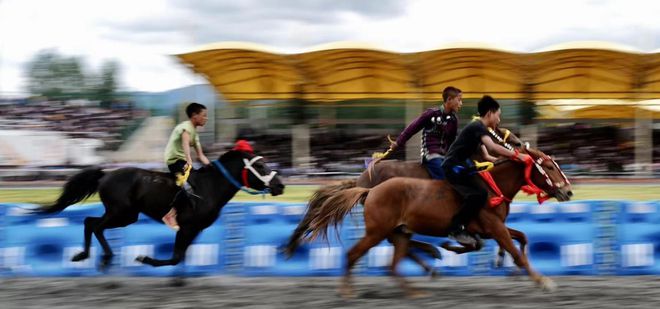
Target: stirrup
point(189, 191)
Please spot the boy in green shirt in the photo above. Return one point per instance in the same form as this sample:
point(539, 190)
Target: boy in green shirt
point(177, 154)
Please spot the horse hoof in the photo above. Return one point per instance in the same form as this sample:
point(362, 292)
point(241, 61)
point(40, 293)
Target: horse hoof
point(105, 263)
point(104, 267)
point(141, 258)
point(111, 285)
point(433, 275)
point(548, 285)
point(80, 256)
point(178, 282)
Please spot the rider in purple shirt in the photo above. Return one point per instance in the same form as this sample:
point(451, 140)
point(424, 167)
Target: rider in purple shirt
point(439, 131)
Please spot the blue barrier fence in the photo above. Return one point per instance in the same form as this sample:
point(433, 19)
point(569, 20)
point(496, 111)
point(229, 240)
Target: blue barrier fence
point(575, 238)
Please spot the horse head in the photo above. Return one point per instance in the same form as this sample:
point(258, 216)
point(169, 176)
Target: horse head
point(548, 176)
point(250, 171)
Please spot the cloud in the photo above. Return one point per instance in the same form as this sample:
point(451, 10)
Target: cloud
point(142, 34)
point(310, 12)
point(296, 23)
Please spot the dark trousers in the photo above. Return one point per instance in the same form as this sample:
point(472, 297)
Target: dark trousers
point(177, 167)
point(434, 166)
point(474, 196)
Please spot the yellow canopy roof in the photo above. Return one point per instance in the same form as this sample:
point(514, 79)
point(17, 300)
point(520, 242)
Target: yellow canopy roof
point(348, 70)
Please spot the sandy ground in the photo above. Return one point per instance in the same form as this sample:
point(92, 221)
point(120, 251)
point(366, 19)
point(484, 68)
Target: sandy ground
point(381, 292)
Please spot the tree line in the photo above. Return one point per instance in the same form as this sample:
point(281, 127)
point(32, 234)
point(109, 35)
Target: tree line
point(58, 77)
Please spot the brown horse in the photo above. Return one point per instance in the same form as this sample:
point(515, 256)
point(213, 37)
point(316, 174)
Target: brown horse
point(399, 207)
point(384, 170)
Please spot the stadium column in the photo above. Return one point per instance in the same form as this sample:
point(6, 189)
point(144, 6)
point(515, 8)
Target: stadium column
point(643, 142)
point(414, 108)
point(300, 144)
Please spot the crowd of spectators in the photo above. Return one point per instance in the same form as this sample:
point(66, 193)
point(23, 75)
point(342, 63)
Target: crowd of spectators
point(75, 118)
point(585, 148)
point(578, 148)
point(331, 151)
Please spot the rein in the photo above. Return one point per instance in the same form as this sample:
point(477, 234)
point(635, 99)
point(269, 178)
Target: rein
point(246, 186)
point(530, 188)
point(500, 198)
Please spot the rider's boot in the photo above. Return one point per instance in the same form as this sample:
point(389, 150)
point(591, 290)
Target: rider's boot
point(459, 233)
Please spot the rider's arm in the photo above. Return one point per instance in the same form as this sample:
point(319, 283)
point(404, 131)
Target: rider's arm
point(486, 155)
point(200, 154)
point(413, 127)
point(499, 150)
point(185, 140)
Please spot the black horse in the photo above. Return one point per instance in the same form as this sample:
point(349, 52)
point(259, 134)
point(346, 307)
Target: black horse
point(126, 192)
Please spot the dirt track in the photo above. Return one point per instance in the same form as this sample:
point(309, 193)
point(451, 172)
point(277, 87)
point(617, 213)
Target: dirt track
point(381, 292)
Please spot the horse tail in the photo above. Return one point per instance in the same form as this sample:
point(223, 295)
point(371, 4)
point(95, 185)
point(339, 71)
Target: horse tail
point(313, 207)
point(334, 210)
point(78, 188)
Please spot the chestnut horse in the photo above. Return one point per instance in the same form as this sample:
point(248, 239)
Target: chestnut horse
point(384, 170)
point(400, 207)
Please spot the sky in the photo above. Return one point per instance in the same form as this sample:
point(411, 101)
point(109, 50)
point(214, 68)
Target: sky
point(143, 35)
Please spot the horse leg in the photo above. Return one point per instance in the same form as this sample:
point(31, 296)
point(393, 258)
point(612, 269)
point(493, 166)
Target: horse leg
point(109, 222)
point(432, 273)
point(501, 235)
point(184, 237)
point(521, 238)
point(97, 226)
point(426, 247)
point(90, 225)
point(459, 249)
point(400, 242)
point(356, 252)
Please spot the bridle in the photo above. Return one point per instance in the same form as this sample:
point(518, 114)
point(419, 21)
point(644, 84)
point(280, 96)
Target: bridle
point(248, 166)
point(531, 188)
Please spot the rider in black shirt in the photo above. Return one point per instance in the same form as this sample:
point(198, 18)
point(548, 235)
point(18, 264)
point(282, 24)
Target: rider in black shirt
point(459, 170)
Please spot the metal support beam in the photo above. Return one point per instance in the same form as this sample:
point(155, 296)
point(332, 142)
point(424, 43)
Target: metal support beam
point(643, 143)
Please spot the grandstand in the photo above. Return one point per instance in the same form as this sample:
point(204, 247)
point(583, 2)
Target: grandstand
point(327, 109)
point(74, 118)
point(356, 90)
